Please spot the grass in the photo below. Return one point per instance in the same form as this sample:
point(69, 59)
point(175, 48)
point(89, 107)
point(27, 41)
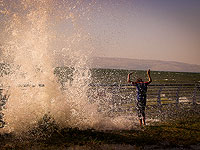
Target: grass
point(178, 131)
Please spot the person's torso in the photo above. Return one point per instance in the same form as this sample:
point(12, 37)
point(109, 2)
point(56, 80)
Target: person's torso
point(141, 90)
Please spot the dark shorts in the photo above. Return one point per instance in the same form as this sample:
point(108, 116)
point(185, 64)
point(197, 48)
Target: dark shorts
point(140, 107)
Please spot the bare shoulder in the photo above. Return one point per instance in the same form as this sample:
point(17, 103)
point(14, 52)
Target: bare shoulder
point(133, 83)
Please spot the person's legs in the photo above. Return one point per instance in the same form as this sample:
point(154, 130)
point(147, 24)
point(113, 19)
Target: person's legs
point(140, 107)
point(140, 122)
point(139, 116)
point(144, 121)
point(143, 110)
point(137, 107)
point(143, 116)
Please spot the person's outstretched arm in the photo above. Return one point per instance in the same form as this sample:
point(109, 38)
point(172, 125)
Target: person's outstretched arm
point(149, 76)
point(128, 78)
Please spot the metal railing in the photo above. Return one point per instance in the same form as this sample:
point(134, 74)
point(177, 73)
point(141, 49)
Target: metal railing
point(122, 97)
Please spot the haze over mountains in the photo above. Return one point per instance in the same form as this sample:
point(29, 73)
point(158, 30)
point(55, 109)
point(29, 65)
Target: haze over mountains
point(139, 64)
point(129, 64)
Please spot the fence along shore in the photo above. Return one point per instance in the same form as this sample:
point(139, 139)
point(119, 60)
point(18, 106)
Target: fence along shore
point(158, 95)
point(123, 95)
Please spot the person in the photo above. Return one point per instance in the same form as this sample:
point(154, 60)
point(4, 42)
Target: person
point(141, 89)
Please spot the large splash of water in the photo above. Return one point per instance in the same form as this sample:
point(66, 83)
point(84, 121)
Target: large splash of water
point(29, 47)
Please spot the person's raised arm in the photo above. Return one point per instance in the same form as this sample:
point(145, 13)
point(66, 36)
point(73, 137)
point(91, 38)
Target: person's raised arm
point(149, 76)
point(128, 78)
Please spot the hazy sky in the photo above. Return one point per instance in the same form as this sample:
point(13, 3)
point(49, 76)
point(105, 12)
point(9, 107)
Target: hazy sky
point(147, 29)
point(139, 29)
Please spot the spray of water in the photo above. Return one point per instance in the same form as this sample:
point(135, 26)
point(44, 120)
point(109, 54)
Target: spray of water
point(33, 88)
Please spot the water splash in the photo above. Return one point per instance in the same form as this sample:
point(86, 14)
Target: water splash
point(26, 49)
point(29, 47)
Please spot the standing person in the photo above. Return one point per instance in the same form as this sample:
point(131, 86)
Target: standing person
point(141, 89)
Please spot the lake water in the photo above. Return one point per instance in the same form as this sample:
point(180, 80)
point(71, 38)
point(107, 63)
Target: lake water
point(117, 76)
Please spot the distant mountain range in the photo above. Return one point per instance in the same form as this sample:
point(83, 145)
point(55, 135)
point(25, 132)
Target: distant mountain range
point(140, 64)
point(129, 64)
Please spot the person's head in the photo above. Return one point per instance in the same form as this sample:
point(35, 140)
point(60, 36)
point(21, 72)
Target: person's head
point(139, 80)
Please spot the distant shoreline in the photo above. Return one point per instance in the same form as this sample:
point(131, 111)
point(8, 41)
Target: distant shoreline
point(144, 70)
point(141, 64)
